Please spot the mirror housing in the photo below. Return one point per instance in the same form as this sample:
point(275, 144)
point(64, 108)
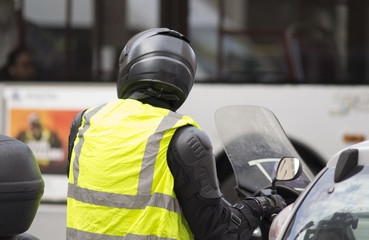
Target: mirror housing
point(289, 168)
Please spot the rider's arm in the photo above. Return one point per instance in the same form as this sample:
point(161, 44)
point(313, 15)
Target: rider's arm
point(192, 163)
point(77, 122)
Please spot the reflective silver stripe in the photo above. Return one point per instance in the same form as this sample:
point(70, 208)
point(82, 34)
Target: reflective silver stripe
point(123, 201)
point(78, 147)
point(151, 152)
point(74, 234)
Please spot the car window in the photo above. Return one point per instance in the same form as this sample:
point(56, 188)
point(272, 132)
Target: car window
point(334, 210)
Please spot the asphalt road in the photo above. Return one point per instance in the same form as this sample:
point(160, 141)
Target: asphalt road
point(50, 222)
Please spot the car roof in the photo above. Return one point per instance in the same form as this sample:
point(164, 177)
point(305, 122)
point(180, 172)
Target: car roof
point(363, 158)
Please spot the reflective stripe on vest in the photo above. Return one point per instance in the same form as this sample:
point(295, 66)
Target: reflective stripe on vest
point(78, 234)
point(155, 202)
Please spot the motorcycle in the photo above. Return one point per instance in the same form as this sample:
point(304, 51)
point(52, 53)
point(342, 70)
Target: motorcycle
point(263, 159)
point(264, 162)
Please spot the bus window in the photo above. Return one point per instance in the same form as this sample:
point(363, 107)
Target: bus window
point(266, 41)
point(62, 48)
point(242, 41)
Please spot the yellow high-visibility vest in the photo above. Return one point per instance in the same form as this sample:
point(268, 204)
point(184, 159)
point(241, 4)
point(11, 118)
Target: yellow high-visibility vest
point(120, 186)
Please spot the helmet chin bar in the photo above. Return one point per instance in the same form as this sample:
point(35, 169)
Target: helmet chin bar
point(152, 93)
point(156, 98)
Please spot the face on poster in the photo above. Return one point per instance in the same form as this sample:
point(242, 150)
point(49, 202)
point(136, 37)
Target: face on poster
point(46, 133)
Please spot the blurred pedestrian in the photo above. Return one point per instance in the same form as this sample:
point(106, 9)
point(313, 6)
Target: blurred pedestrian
point(20, 65)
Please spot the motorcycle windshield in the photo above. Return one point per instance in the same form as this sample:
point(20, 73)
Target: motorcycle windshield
point(254, 142)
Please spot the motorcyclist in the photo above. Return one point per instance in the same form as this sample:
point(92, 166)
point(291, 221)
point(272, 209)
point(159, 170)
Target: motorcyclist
point(139, 170)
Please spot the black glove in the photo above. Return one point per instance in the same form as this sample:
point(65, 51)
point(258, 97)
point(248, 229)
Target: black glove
point(270, 205)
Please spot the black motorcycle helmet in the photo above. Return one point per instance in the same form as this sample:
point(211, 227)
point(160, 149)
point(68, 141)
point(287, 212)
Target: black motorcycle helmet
point(159, 64)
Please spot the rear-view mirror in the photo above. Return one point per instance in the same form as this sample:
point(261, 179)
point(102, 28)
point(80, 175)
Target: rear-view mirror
point(289, 168)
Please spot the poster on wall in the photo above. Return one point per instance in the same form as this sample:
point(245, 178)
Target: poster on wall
point(46, 132)
point(40, 115)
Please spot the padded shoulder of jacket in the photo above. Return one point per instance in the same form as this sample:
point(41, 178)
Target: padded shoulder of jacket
point(193, 150)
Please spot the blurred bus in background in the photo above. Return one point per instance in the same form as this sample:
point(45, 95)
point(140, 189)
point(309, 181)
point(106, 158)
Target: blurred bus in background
point(305, 60)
